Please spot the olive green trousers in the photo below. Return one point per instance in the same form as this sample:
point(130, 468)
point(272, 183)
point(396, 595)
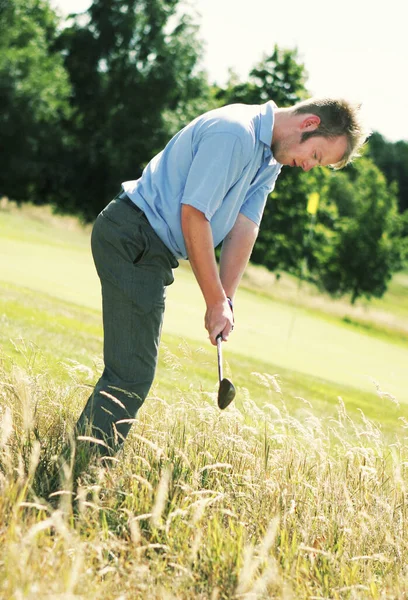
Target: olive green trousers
point(134, 267)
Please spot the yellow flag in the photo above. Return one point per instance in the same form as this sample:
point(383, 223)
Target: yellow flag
point(313, 203)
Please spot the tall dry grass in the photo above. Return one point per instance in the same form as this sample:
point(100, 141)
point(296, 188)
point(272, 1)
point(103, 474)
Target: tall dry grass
point(246, 504)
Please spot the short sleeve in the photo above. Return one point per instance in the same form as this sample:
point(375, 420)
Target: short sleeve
point(254, 204)
point(216, 166)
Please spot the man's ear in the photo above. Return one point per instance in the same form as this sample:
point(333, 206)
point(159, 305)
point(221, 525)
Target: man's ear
point(310, 123)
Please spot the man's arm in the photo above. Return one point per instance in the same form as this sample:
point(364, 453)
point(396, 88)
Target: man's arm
point(235, 253)
point(200, 250)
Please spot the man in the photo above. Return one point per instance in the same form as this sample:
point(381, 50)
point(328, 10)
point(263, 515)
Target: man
point(208, 185)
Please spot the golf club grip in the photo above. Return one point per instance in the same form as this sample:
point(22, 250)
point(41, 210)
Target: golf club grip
point(219, 354)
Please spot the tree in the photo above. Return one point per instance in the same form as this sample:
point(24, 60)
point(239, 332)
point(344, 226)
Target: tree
point(34, 93)
point(279, 77)
point(133, 68)
point(284, 228)
point(392, 159)
point(366, 248)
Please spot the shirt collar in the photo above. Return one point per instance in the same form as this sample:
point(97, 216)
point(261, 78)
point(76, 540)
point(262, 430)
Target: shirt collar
point(267, 122)
point(267, 114)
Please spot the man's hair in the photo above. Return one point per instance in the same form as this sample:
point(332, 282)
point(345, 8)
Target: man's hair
point(337, 117)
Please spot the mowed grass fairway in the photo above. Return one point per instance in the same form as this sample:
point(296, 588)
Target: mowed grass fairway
point(298, 490)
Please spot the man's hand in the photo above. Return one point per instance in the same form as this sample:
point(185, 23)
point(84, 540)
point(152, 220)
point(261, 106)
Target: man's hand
point(219, 319)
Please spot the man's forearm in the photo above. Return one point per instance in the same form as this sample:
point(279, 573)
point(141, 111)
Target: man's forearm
point(200, 250)
point(235, 253)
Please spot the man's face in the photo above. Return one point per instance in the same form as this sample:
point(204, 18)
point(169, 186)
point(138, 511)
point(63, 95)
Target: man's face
point(316, 151)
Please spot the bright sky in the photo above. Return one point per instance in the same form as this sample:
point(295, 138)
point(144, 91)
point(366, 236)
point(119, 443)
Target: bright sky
point(353, 48)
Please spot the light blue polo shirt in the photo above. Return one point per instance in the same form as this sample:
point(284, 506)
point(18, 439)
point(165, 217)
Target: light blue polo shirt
point(221, 163)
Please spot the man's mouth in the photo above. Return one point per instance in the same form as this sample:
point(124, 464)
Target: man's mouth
point(294, 163)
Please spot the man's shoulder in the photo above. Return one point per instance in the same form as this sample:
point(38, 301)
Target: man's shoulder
point(231, 119)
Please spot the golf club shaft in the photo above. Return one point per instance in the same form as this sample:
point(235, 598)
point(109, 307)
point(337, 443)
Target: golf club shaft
point(219, 352)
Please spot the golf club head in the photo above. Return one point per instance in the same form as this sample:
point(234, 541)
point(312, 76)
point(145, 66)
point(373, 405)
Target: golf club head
point(226, 393)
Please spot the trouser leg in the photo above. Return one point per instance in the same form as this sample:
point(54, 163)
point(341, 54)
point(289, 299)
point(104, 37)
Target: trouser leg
point(134, 267)
point(130, 354)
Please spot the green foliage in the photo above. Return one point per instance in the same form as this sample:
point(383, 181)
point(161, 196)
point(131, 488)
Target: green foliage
point(279, 77)
point(366, 247)
point(356, 242)
point(280, 244)
point(34, 92)
point(392, 159)
point(403, 227)
point(133, 68)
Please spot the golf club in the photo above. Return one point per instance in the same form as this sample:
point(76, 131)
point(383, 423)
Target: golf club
point(226, 390)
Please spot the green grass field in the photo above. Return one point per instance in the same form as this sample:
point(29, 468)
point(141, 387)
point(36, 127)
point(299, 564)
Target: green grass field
point(54, 260)
point(298, 490)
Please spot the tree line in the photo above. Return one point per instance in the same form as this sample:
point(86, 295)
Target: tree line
point(88, 101)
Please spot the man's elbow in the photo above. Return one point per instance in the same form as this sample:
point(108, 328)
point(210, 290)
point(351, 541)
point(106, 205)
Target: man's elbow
point(191, 214)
